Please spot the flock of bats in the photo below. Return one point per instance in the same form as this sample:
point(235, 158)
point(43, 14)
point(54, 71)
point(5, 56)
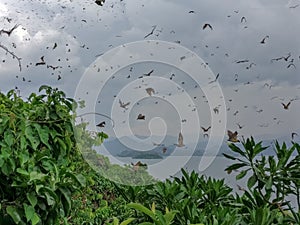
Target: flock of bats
point(232, 135)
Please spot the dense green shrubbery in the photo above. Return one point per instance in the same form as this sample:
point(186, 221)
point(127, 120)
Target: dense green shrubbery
point(196, 199)
point(37, 149)
point(50, 174)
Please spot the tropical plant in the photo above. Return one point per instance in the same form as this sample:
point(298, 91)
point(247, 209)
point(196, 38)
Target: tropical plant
point(156, 216)
point(273, 180)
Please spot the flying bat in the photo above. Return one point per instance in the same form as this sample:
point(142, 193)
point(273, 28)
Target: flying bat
point(232, 136)
point(100, 2)
point(207, 25)
point(123, 105)
point(243, 19)
point(153, 29)
point(150, 91)
point(205, 129)
point(286, 106)
point(42, 62)
point(263, 41)
point(141, 117)
point(215, 79)
point(148, 74)
point(102, 124)
point(8, 32)
point(180, 140)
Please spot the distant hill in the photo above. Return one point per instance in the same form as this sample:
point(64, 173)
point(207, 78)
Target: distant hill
point(117, 149)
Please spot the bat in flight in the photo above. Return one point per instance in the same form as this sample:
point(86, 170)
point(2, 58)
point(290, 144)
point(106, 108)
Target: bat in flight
point(8, 32)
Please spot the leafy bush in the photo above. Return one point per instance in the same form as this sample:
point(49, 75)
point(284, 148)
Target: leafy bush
point(37, 147)
point(272, 181)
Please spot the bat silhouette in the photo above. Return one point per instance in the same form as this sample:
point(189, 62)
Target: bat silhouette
point(207, 25)
point(243, 19)
point(8, 32)
point(205, 129)
point(215, 79)
point(232, 137)
point(141, 117)
point(180, 140)
point(291, 64)
point(242, 61)
point(294, 134)
point(150, 91)
point(100, 2)
point(123, 105)
point(263, 41)
point(240, 126)
point(286, 106)
point(294, 6)
point(153, 29)
point(102, 124)
point(148, 74)
point(42, 62)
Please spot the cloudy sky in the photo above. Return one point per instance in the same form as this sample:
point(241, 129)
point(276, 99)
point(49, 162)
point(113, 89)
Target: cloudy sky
point(252, 48)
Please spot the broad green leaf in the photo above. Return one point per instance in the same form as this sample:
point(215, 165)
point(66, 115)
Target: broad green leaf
point(22, 171)
point(43, 133)
point(50, 195)
point(63, 147)
point(50, 199)
point(236, 149)
point(23, 157)
point(35, 219)
point(23, 142)
point(32, 198)
point(269, 183)
point(251, 181)
point(12, 211)
point(79, 178)
point(1, 162)
point(6, 169)
point(29, 211)
point(5, 153)
point(229, 156)
point(142, 208)
point(129, 220)
point(8, 138)
point(67, 199)
point(236, 166)
point(34, 175)
point(169, 216)
point(116, 221)
point(241, 174)
point(32, 137)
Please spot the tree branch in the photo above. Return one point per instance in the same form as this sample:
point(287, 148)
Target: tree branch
point(12, 54)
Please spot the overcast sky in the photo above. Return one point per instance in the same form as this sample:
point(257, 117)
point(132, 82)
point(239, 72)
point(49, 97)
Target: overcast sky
point(73, 35)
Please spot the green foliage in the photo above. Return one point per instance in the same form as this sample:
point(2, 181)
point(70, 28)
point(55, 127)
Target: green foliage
point(37, 147)
point(157, 217)
point(272, 180)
